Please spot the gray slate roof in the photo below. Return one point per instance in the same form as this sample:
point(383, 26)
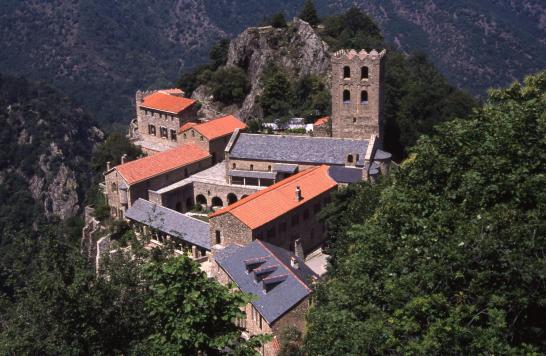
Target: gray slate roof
point(285, 168)
point(294, 149)
point(190, 230)
point(251, 174)
point(345, 174)
point(283, 296)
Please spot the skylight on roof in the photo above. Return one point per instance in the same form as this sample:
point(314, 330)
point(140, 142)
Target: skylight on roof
point(271, 282)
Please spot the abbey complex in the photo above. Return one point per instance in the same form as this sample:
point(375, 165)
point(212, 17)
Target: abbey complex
point(261, 192)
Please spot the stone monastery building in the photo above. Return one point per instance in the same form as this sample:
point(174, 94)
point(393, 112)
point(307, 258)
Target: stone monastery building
point(262, 193)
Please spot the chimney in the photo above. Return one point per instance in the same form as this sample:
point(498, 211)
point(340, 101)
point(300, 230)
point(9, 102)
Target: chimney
point(124, 158)
point(298, 249)
point(294, 263)
point(298, 193)
point(107, 166)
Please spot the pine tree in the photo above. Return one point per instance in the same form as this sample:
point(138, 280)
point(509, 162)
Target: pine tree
point(309, 13)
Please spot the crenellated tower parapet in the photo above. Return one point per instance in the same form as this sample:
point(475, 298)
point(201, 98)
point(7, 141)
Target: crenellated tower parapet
point(357, 93)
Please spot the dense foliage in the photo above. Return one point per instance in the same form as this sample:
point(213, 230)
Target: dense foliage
point(417, 96)
point(451, 261)
point(309, 13)
point(146, 304)
point(44, 138)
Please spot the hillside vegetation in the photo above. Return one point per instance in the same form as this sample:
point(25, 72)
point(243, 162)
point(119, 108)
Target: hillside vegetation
point(451, 259)
point(101, 52)
point(276, 79)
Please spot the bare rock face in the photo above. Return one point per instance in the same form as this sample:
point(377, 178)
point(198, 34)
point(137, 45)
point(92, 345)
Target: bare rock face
point(49, 142)
point(298, 49)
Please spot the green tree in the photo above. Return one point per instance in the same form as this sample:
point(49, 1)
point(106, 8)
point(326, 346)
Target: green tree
point(451, 260)
point(309, 13)
point(277, 97)
point(229, 85)
point(278, 20)
point(187, 313)
point(353, 29)
point(219, 53)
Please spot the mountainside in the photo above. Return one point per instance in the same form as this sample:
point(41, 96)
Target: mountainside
point(45, 152)
point(101, 52)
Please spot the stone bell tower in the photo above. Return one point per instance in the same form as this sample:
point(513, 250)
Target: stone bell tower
point(357, 94)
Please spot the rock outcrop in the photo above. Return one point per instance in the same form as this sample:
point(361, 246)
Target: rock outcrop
point(297, 48)
point(46, 142)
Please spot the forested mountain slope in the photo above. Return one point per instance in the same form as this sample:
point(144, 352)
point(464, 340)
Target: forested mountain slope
point(101, 52)
point(46, 142)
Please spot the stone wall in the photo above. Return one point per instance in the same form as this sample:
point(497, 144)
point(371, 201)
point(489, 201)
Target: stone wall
point(215, 147)
point(231, 229)
point(355, 118)
point(160, 119)
point(113, 180)
point(300, 223)
point(295, 317)
point(221, 191)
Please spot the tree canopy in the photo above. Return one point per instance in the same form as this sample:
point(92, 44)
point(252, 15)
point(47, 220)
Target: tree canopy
point(148, 303)
point(309, 13)
point(451, 261)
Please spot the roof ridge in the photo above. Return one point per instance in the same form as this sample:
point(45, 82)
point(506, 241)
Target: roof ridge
point(160, 154)
point(264, 191)
point(286, 267)
point(174, 211)
point(306, 137)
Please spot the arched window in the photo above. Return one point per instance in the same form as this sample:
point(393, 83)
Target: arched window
point(346, 97)
point(217, 202)
point(269, 168)
point(251, 167)
point(201, 200)
point(364, 97)
point(350, 158)
point(346, 72)
point(233, 166)
point(364, 73)
point(114, 187)
point(357, 157)
point(354, 120)
point(231, 198)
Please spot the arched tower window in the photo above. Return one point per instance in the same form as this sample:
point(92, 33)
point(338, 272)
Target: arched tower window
point(346, 97)
point(364, 73)
point(346, 72)
point(350, 158)
point(364, 97)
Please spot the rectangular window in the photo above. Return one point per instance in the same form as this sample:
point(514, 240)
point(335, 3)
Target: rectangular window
point(151, 129)
point(218, 237)
point(164, 132)
point(260, 322)
point(173, 135)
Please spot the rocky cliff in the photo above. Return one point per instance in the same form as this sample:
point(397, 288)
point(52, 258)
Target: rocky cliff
point(103, 51)
point(46, 142)
point(298, 49)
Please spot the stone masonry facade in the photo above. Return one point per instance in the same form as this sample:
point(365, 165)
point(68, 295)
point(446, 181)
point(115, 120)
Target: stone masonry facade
point(357, 94)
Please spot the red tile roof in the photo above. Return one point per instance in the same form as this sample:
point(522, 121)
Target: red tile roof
point(217, 127)
point(268, 204)
point(322, 121)
point(187, 126)
point(165, 102)
point(162, 162)
point(172, 91)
